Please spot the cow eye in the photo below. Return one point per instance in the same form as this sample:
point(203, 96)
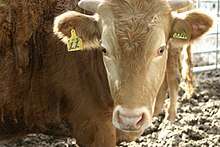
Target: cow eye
point(104, 51)
point(161, 51)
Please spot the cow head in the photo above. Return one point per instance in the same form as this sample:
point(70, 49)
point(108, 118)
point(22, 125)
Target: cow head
point(136, 35)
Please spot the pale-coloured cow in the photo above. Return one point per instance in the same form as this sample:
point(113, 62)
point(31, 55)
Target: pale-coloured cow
point(141, 40)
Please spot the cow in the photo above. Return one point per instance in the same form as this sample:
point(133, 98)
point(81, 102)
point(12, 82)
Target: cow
point(44, 88)
point(141, 39)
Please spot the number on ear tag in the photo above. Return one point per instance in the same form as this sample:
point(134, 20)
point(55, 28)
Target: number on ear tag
point(75, 42)
point(182, 36)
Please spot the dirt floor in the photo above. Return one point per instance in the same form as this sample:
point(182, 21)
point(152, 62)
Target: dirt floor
point(197, 123)
point(39, 140)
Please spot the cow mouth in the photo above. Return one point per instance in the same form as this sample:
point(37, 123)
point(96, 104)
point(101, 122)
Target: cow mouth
point(131, 130)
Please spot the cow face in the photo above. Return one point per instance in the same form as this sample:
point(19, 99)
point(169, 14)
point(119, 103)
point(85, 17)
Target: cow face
point(136, 35)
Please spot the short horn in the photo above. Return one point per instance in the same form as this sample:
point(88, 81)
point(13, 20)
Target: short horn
point(180, 4)
point(90, 5)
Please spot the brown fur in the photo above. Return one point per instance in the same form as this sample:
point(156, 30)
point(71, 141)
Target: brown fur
point(200, 24)
point(5, 26)
point(56, 86)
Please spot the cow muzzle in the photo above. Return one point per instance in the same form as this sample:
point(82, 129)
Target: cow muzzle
point(131, 120)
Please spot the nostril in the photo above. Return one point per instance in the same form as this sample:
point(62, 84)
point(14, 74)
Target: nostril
point(141, 120)
point(118, 117)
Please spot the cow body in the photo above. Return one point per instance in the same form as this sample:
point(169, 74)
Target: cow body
point(46, 91)
point(142, 41)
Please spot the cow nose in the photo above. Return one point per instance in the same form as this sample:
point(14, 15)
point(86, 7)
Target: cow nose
point(130, 120)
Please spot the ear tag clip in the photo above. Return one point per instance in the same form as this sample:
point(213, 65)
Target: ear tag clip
point(182, 36)
point(75, 42)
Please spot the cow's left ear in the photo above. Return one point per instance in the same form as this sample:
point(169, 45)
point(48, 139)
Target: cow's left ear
point(194, 25)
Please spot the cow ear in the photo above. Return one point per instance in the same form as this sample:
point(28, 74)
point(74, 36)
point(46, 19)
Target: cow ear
point(193, 26)
point(76, 28)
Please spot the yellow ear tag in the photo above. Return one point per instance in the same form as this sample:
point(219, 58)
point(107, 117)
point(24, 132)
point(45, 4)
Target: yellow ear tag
point(182, 36)
point(74, 43)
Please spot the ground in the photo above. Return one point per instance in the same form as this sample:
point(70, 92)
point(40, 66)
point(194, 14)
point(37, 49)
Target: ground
point(39, 140)
point(197, 123)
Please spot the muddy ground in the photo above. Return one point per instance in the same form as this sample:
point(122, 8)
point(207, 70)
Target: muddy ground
point(197, 123)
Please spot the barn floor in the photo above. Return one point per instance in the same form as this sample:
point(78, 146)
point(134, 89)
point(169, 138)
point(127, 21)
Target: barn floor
point(197, 123)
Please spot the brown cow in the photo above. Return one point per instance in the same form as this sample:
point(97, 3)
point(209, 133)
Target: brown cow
point(52, 85)
point(141, 38)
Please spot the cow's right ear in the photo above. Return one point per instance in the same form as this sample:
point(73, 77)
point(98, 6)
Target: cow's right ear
point(83, 26)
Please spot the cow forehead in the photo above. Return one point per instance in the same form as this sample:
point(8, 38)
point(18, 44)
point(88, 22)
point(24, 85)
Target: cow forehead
point(140, 5)
point(138, 9)
point(134, 19)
